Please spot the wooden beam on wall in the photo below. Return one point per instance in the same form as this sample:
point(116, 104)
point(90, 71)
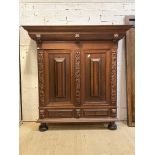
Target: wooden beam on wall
point(130, 71)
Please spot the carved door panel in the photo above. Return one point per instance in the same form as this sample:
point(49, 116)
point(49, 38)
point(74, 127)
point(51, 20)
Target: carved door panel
point(96, 75)
point(58, 77)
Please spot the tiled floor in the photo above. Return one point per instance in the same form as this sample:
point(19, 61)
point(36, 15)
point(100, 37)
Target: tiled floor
point(76, 140)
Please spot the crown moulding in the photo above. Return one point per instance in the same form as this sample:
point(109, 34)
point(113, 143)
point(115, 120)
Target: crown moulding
point(77, 33)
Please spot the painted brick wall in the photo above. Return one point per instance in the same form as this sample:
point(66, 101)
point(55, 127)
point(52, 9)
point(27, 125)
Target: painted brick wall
point(67, 12)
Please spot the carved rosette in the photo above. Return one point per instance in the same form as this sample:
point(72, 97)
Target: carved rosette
point(114, 78)
point(77, 77)
point(41, 77)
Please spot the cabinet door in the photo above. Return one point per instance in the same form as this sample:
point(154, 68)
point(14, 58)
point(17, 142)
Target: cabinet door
point(58, 79)
point(96, 75)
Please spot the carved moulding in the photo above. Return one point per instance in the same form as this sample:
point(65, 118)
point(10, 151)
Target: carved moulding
point(42, 114)
point(114, 77)
point(77, 77)
point(41, 77)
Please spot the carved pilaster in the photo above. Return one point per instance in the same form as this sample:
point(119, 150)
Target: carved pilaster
point(77, 77)
point(114, 78)
point(42, 114)
point(41, 78)
point(77, 113)
point(113, 112)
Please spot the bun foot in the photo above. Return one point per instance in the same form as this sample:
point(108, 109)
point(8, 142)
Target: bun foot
point(43, 127)
point(112, 126)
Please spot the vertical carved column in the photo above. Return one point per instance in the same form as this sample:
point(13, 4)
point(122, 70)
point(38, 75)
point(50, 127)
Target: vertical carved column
point(42, 114)
point(77, 77)
point(41, 77)
point(114, 78)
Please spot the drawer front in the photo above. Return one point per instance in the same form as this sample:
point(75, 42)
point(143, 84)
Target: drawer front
point(95, 112)
point(57, 113)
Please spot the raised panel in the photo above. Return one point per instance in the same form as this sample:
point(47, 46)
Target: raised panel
point(57, 113)
point(95, 112)
point(96, 67)
point(95, 76)
point(94, 73)
point(59, 72)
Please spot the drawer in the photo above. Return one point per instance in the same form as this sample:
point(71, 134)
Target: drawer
point(60, 113)
point(95, 112)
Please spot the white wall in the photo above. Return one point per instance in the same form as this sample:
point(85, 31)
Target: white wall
point(67, 12)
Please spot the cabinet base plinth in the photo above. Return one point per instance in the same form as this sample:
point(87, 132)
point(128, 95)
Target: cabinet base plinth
point(77, 120)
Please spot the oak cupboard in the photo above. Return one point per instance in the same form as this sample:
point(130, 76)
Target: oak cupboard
point(77, 72)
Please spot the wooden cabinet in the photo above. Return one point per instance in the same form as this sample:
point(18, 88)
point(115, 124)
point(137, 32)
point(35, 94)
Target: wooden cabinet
point(77, 71)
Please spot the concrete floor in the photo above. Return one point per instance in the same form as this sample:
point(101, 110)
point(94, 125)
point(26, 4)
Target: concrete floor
point(76, 140)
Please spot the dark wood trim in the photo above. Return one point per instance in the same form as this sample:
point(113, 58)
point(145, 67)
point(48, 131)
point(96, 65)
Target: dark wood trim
point(77, 33)
point(73, 107)
point(76, 28)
